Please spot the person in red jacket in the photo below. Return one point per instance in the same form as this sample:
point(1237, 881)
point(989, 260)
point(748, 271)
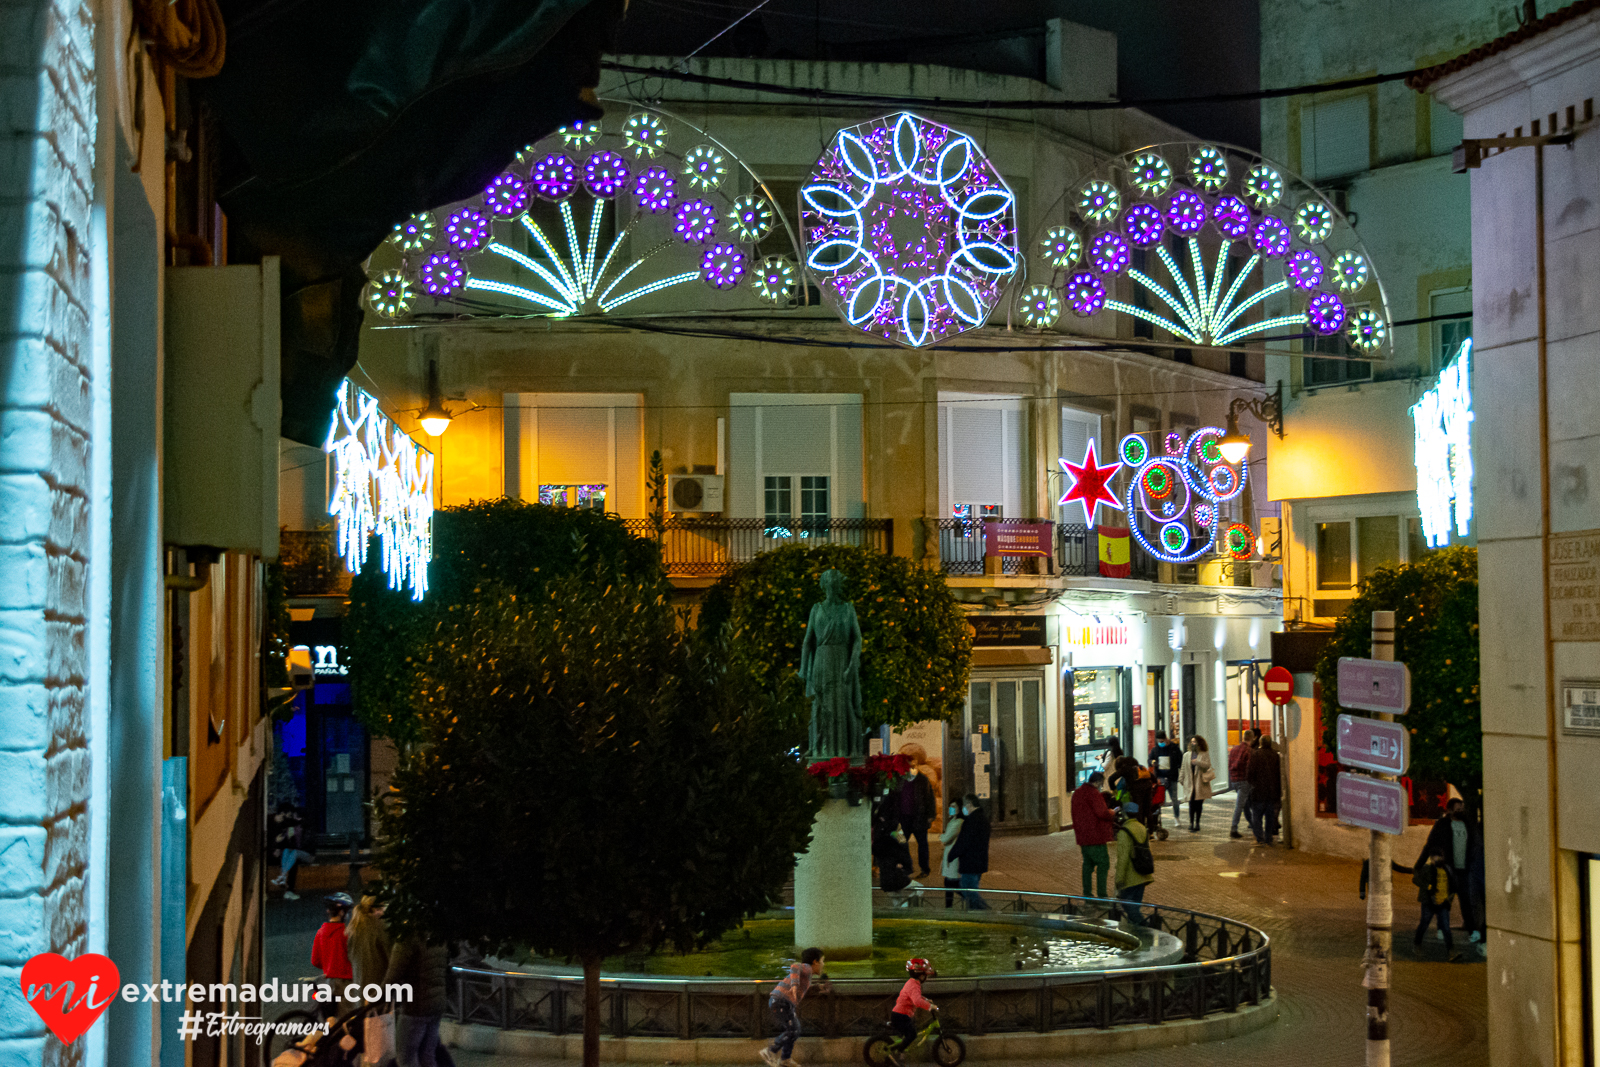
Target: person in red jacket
point(329, 952)
point(1094, 827)
point(902, 1017)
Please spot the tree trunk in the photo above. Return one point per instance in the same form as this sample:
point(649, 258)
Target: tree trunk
point(591, 1011)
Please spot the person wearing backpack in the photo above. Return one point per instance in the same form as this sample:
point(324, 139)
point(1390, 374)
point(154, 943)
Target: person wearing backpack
point(1136, 866)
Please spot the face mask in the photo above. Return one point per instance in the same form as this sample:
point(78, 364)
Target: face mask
point(952, 809)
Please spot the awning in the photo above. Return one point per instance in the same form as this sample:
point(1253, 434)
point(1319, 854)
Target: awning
point(1011, 657)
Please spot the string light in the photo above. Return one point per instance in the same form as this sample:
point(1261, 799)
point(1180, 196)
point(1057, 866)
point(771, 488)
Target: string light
point(1109, 253)
point(1085, 294)
point(1349, 272)
point(466, 229)
point(1100, 201)
point(1143, 224)
point(773, 279)
point(644, 135)
point(695, 221)
point(704, 168)
point(1149, 174)
point(1263, 186)
point(580, 134)
point(722, 266)
point(655, 189)
point(750, 218)
point(416, 233)
point(605, 174)
point(1208, 168)
point(1231, 217)
point(1062, 246)
point(506, 195)
point(442, 274)
point(554, 177)
point(1305, 269)
point(1325, 314)
point(1186, 212)
point(390, 294)
point(1442, 420)
point(1367, 329)
point(1207, 480)
point(1041, 307)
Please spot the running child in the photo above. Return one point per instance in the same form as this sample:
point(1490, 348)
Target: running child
point(785, 1004)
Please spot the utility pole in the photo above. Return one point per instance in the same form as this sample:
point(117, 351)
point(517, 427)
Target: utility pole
point(1380, 894)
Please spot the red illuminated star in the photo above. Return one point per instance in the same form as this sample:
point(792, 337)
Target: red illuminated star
point(1089, 483)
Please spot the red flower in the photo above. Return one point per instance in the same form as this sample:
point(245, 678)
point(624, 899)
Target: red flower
point(829, 768)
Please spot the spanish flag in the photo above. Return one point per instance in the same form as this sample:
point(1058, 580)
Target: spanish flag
point(1114, 552)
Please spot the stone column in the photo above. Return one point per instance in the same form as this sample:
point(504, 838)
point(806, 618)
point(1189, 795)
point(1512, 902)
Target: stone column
point(833, 883)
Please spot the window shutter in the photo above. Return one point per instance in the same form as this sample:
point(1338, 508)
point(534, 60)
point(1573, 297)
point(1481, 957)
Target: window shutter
point(1013, 460)
point(574, 445)
point(744, 486)
point(847, 494)
point(977, 473)
point(1334, 138)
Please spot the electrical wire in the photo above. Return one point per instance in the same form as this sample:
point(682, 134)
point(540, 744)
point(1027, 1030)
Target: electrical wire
point(725, 29)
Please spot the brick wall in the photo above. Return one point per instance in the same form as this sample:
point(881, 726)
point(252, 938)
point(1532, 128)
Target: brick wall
point(47, 122)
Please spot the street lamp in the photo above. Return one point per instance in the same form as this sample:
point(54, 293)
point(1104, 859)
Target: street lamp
point(434, 418)
point(1234, 445)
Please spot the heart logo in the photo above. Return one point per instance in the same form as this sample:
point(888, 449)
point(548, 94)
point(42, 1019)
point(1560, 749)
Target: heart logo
point(69, 995)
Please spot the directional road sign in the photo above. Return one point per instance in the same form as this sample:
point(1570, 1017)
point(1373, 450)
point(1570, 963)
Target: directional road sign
point(1373, 803)
point(1279, 685)
point(1373, 744)
point(1374, 685)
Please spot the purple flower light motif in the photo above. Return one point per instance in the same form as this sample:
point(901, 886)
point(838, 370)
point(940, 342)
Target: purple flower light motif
point(1143, 224)
point(605, 174)
point(506, 195)
point(554, 177)
point(722, 266)
point(1085, 293)
point(1203, 514)
point(1109, 254)
point(1325, 314)
point(1305, 269)
point(1232, 217)
point(466, 229)
point(1271, 236)
point(1186, 211)
point(655, 189)
point(442, 274)
point(695, 221)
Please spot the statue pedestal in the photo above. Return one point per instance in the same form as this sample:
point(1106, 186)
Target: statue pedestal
point(833, 883)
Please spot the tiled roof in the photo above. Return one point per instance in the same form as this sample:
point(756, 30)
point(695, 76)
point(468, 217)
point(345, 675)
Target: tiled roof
point(1426, 77)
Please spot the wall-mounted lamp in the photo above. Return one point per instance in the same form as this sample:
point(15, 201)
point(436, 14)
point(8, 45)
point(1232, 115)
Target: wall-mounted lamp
point(434, 418)
point(1234, 445)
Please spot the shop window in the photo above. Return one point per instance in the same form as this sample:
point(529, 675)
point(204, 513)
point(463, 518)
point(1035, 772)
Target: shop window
point(1005, 747)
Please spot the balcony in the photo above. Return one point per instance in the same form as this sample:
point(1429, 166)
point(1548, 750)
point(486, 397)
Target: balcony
point(710, 548)
point(1077, 553)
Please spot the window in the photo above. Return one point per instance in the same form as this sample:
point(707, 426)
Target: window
point(576, 449)
point(1333, 555)
point(1449, 333)
point(981, 457)
point(795, 456)
point(1344, 371)
point(1377, 544)
point(588, 497)
point(1349, 551)
point(1335, 138)
point(780, 511)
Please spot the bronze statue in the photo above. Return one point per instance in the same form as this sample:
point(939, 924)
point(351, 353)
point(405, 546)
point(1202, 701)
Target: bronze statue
point(830, 665)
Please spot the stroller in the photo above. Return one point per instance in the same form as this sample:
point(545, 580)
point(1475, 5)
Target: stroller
point(1158, 801)
point(341, 1046)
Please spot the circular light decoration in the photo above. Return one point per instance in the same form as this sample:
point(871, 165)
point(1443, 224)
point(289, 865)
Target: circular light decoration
point(390, 294)
point(1305, 269)
point(1041, 307)
point(1100, 201)
point(1223, 481)
point(554, 177)
point(1175, 537)
point(1325, 314)
point(1157, 482)
point(1061, 246)
point(1313, 221)
point(1231, 216)
point(1173, 443)
point(1109, 253)
point(1263, 186)
point(1204, 515)
point(466, 229)
point(1085, 294)
point(1187, 211)
point(1270, 236)
point(645, 135)
point(773, 279)
point(580, 134)
point(416, 233)
point(1208, 168)
point(1206, 449)
point(722, 266)
point(605, 174)
point(1149, 174)
point(1349, 272)
point(441, 274)
point(908, 229)
point(695, 221)
point(1367, 329)
point(750, 219)
point(655, 189)
point(1179, 492)
point(1241, 541)
point(507, 195)
point(1144, 224)
point(704, 168)
point(1133, 450)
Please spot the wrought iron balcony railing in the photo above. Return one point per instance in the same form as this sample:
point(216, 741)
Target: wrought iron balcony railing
point(712, 547)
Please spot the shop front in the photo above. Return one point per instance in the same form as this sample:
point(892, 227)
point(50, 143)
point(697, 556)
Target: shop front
point(1098, 673)
point(1001, 735)
point(321, 764)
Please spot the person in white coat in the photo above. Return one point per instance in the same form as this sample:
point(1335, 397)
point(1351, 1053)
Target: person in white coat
point(1194, 776)
point(950, 866)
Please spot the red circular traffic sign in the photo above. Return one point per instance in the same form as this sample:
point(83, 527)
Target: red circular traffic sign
point(1279, 685)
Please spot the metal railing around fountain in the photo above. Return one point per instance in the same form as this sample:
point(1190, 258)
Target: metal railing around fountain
point(1227, 965)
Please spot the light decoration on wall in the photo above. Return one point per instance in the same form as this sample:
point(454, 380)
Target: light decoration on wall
point(383, 484)
point(1090, 483)
point(1443, 424)
point(1179, 489)
point(1217, 246)
point(591, 221)
point(908, 229)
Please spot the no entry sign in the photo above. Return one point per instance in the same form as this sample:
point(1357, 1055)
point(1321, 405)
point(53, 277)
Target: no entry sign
point(1373, 803)
point(1279, 685)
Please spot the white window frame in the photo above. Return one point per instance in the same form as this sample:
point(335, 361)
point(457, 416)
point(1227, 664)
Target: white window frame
point(1402, 509)
point(521, 432)
point(1010, 465)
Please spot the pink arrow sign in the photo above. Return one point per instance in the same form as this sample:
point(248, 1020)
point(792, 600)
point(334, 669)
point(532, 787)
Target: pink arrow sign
point(1375, 745)
point(1373, 803)
point(1374, 685)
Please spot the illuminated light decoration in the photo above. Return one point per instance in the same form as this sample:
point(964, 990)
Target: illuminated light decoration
point(605, 174)
point(1175, 537)
point(750, 218)
point(1208, 168)
point(1367, 329)
point(506, 195)
point(722, 266)
point(383, 485)
point(1089, 486)
point(1041, 307)
point(909, 230)
point(580, 134)
point(773, 279)
point(1270, 237)
point(442, 274)
point(1349, 272)
point(1240, 541)
point(1313, 221)
point(1232, 218)
point(1133, 450)
point(390, 294)
point(1325, 314)
point(1062, 246)
point(1144, 224)
point(1180, 490)
point(1263, 186)
point(1305, 269)
point(1173, 444)
point(1157, 482)
point(1109, 253)
point(1085, 294)
point(555, 177)
point(704, 168)
point(1186, 211)
point(1442, 420)
point(416, 233)
point(1206, 449)
point(645, 135)
point(655, 189)
point(1150, 174)
point(1223, 481)
point(466, 229)
point(1100, 202)
point(695, 222)
point(1204, 515)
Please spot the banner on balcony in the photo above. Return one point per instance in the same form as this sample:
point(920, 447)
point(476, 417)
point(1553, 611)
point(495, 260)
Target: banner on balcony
point(1016, 539)
point(1115, 549)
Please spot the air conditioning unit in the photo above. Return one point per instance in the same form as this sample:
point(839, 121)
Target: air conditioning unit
point(694, 492)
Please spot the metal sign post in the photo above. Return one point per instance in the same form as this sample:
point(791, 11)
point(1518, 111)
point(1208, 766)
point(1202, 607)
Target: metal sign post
point(1381, 686)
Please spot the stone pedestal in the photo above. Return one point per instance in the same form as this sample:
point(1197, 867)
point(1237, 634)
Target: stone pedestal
point(833, 883)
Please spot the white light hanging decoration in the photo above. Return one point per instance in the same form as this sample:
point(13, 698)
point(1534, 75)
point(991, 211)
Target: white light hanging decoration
point(1212, 244)
point(1443, 422)
point(383, 484)
point(909, 230)
point(629, 214)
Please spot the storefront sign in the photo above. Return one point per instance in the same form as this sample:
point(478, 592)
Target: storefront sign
point(1096, 634)
point(1574, 566)
point(1580, 701)
point(1017, 539)
point(1007, 630)
point(1138, 715)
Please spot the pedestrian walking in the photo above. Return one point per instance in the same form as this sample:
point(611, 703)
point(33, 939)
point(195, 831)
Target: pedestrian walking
point(949, 864)
point(915, 808)
point(1136, 866)
point(1093, 826)
point(1435, 887)
point(1238, 765)
point(1165, 758)
point(420, 965)
point(1266, 790)
point(330, 950)
point(367, 939)
point(971, 850)
point(1195, 775)
point(785, 1004)
point(1458, 841)
point(1108, 762)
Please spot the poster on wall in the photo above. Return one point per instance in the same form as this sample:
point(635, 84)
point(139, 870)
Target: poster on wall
point(923, 742)
point(1174, 719)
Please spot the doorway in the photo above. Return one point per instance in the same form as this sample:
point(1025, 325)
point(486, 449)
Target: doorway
point(1005, 749)
point(1191, 696)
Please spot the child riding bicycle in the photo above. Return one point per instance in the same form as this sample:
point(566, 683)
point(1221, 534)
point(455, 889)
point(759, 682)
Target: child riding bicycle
point(902, 1017)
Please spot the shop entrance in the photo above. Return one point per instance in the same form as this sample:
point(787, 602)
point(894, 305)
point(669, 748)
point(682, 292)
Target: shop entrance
point(1004, 748)
point(1100, 701)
